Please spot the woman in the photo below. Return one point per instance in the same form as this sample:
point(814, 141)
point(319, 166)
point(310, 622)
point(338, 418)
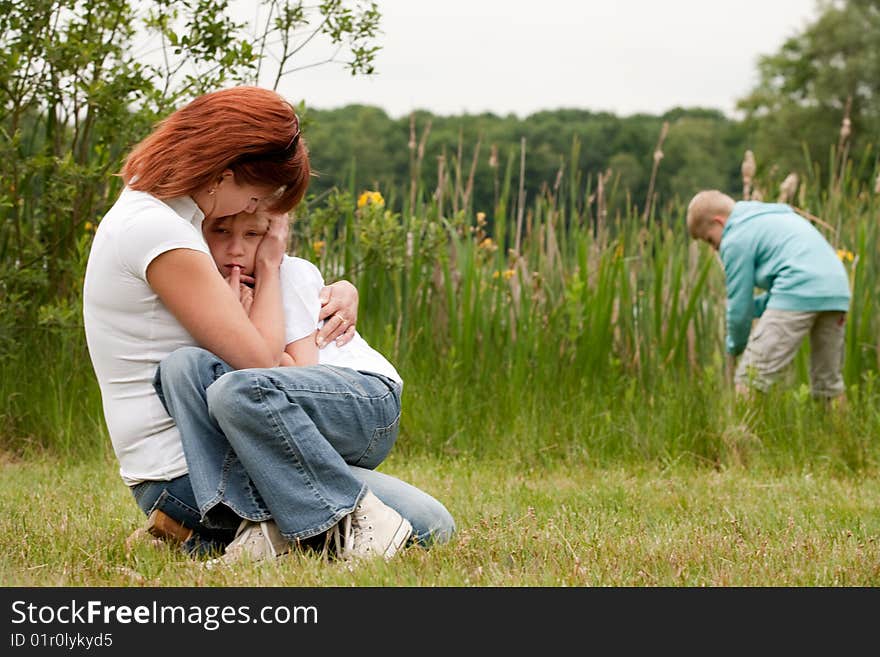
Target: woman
point(151, 288)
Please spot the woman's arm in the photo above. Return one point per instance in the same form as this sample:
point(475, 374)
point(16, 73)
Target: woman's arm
point(210, 309)
point(190, 286)
point(267, 311)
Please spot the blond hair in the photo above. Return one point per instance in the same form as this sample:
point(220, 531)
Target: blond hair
point(705, 206)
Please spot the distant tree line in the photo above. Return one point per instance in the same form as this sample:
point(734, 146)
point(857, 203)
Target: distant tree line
point(815, 108)
point(363, 147)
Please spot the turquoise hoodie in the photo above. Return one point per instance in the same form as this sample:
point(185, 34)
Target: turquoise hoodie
point(770, 246)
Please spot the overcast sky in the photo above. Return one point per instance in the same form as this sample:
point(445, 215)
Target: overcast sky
point(517, 56)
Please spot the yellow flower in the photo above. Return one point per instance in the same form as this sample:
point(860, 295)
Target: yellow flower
point(89, 226)
point(370, 197)
point(488, 244)
point(481, 218)
point(496, 274)
point(843, 254)
point(508, 274)
point(318, 247)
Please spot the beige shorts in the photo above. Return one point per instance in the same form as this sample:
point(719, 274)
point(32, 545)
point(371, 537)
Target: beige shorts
point(775, 340)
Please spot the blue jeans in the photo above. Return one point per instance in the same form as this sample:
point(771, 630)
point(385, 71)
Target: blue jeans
point(295, 444)
point(176, 499)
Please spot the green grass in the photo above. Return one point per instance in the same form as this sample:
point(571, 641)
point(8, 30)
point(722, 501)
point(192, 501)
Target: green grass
point(566, 401)
point(562, 524)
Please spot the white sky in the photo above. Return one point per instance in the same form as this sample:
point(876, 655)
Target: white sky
point(520, 56)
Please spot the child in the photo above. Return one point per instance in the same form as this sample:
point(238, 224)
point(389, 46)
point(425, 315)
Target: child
point(357, 409)
point(233, 243)
point(769, 246)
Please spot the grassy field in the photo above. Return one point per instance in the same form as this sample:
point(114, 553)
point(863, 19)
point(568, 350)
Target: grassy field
point(568, 524)
point(602, 483)
point(565, 397)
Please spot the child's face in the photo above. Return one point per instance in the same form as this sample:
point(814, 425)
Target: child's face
point(713, 234)
point(233, 241)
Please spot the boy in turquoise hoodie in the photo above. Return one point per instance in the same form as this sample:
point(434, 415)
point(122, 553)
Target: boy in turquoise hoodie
point(770, 246)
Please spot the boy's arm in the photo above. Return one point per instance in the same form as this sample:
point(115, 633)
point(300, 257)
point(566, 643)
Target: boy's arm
point(761, 303)
point(303, 284)
point(739, 273)
point(302, 352)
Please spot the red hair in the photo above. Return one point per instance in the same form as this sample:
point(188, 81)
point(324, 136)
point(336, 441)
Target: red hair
point(252, 131)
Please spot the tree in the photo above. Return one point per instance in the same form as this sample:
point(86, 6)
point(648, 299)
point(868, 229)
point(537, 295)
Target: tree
point(81, 81)
point(697, 156)
point(805, 88)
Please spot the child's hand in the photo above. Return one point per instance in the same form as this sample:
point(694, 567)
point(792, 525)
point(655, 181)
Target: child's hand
point(240, 285)
point(246, 296)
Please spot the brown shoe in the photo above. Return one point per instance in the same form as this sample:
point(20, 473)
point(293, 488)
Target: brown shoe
point(163, 526)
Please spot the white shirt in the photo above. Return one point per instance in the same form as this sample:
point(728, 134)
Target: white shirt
point(301, 282)
point(129, 330)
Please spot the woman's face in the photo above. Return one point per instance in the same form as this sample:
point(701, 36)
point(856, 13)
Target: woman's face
point(230, 197)
point(233, 241)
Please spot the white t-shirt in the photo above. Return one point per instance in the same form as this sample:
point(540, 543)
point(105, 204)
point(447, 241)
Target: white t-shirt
point(129, 330)
point(301, 282)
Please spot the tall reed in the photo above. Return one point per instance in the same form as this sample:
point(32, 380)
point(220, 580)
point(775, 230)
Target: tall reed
point(538, 328)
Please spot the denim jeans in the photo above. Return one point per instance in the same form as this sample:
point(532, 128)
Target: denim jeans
point(176, 499)
point(295, 444)
point(430, 520)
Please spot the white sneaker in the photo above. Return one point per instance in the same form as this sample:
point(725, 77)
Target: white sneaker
point(254, 541)
point(373, 529)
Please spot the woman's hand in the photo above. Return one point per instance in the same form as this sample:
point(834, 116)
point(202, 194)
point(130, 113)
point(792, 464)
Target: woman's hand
point(339, 307)
point(273, 246)
point(266, 312)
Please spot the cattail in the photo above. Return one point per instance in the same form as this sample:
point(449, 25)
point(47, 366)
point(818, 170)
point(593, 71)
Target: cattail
point(748, 166)
point(748, 173)
point(658, 155)
point(788, 187)
point(843, 145)
point(601, 210)
point(441, 183)
point(493, 156)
